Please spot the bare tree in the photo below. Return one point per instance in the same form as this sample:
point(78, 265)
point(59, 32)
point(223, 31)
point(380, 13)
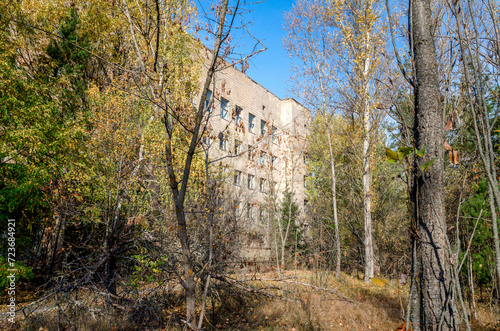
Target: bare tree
point(479, 41)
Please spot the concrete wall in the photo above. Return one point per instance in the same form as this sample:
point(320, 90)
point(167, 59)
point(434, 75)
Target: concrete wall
point(290, 122)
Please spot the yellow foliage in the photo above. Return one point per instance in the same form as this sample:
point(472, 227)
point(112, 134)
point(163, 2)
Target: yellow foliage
point(380, 282)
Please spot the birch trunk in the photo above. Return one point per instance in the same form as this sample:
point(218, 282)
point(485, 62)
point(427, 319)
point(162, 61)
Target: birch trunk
point(369, 268)
point(367, 176)
point(334, 202)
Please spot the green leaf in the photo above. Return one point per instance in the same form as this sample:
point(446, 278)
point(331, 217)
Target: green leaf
point(407, 150)
point(392, 156)
point(427, 164)
point(404, 151)
point(421, 152)
point(401, 155)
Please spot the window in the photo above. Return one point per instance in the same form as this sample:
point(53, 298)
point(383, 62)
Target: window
point(305, 158)
point(262, 127)
point(274, 162)
point(237, 147)
point(237, 116)
point(239, 208)
point(273, 133)
point(222, 142)
point(223, 108)
point(208, 100)
point(263, 185)
point(251, 123)
point(237, 178)
point(263, 158)
point(249, 211)
point(207, 141)
point(305, 181)
point(250, 152)
point(262, 215)
point(251, 182)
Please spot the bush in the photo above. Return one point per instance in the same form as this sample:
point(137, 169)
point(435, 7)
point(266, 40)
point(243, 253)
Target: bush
point(22, 271)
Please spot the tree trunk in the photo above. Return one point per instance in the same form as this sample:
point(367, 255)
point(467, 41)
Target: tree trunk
point(434, 280)
point(475, 85)
point(367, 206)
point(494, 225)
point(189, 281)
point(367, 175)
point(179, 188)
point(334, 201)
point(110, 269)
point(110, 254)
point(57, 240)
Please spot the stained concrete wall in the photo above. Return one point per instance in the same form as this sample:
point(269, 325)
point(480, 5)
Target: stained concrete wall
point(283, 140)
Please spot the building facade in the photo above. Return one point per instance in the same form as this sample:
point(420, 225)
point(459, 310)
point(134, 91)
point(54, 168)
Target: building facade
point(260, 142)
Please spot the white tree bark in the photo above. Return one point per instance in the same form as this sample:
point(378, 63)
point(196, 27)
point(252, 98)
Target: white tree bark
point(367, 206)
point(367, 176)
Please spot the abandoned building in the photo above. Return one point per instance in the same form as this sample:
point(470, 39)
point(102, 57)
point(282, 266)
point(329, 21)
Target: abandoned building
point(260, 141)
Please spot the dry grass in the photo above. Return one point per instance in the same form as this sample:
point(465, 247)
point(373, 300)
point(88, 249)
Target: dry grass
point(304, 307)
point(301, 300)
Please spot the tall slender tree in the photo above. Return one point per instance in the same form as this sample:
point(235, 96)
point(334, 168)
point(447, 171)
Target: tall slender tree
point(310, 41)
point(358, 22)
point(336, 42)
point(481, 85)
point(434, 305)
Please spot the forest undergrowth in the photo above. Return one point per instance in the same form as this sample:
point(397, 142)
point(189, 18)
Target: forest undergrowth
point(249, 300)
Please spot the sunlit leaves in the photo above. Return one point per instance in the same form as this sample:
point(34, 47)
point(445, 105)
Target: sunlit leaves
point(421, 152)
point(427, 164)
point(391, 155)
point(380, 282)
point(402, 153)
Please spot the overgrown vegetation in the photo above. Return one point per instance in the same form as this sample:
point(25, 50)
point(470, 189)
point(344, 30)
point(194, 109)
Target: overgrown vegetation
point(125, 219)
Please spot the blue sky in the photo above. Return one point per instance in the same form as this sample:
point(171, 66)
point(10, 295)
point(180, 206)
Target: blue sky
point(270, 68)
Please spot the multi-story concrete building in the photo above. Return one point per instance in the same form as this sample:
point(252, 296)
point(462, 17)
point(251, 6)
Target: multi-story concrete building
point(261, 141)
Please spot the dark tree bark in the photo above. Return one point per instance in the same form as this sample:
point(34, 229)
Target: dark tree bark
point(435, 290)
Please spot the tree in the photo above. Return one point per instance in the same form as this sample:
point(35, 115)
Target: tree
point(310, 42)
point(336, 42)
point(43, 115)
point(169, 75)
point(357, 22)
point(149, 51)
point(288, 230)
point(435, 307)
point(481, 90)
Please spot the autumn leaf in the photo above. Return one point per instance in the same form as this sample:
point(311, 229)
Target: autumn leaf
point(450, 123)
point(380, 282)
point(402, 327)
point(391, 155)
point(454, 157)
